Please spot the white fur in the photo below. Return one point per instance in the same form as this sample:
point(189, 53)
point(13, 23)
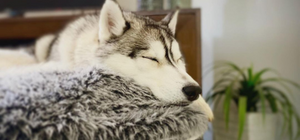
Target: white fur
point(164, 80)
point(171, 19)
point(35, 67)
point(111, 21)
point(42, 46)
point(14, 58)
point(172, 24)
point(73, 51)
point(201, 105)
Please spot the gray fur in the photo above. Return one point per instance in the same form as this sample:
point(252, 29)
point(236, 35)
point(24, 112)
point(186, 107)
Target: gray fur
point(137, 35)
point(89, 104)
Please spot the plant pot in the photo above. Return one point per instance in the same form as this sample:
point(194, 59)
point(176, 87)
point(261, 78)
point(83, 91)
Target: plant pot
point(256, 128)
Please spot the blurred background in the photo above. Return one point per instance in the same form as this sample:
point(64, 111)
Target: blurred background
point(265, 34)
point(251, 34)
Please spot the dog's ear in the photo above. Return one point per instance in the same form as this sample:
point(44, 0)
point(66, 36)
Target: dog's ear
point(111, 22)
point(171, 21)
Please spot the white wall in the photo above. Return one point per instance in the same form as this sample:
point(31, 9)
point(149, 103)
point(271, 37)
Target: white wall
point(129, 5)
point(265, 33)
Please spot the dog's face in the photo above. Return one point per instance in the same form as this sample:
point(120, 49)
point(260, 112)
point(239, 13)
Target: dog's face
point(146, 51)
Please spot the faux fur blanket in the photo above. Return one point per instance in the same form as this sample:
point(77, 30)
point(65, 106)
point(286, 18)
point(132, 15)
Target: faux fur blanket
point(91, 104)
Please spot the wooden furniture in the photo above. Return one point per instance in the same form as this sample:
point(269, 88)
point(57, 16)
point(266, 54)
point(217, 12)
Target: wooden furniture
point(188, 32)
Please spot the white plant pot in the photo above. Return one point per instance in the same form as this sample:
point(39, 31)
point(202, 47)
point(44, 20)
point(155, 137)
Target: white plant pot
point(255, 127)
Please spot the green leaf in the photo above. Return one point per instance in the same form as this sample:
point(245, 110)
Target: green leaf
point(227, 102)
point(250, 72)
point(279, 92)
point(217, 101)
point(226, 71)
point(280, 81)
point(286, 119)
point(242, 115)
point(213, 67)
point(224, 64)
point(211, 97)
point(298, 127)
point(206, 72)
point(262, 99)
point(249, 84)
point(287, 110)
point(218, 84)
point(235, 67)
point(291, 82)
point(290, 121)
point(272, 102)
point(258, 75)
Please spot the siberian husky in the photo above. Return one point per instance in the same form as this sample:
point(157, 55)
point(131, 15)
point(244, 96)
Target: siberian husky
point(131, 45)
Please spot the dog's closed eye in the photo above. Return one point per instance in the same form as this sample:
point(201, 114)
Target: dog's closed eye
point(150, 58)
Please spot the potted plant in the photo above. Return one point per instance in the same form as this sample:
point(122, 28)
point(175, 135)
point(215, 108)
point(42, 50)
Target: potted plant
point(257, 102)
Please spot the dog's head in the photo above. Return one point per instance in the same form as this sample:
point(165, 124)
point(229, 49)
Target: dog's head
point(147, 51)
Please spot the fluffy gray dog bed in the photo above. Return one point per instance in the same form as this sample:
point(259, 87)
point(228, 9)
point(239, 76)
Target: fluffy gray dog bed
point(89, 104)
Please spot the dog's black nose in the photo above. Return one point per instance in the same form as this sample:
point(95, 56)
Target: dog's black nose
point(192, 92)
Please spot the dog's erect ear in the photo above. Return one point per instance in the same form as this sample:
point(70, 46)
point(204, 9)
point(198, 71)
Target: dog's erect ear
point(111, 21)
point(171, 21)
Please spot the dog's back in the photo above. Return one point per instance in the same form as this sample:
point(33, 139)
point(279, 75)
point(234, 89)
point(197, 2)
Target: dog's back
point(81, 32)
point(14, 58)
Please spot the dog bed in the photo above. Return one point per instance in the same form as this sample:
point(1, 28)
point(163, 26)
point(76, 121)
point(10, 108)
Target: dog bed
point(90, 104)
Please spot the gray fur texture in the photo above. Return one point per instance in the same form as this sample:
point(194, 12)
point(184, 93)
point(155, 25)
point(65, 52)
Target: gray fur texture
point(90, 104)
point(138, 33)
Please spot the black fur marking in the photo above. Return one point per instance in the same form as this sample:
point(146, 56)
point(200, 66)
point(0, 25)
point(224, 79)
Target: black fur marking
point(162, 39)
point(151, 58)
point(132, 54)
point(135, 51)
point(168, 18)
point(160, 27)
point(171, 52)
point(127, 27)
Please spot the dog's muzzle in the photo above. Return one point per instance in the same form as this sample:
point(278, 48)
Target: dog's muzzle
point(201, 105)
